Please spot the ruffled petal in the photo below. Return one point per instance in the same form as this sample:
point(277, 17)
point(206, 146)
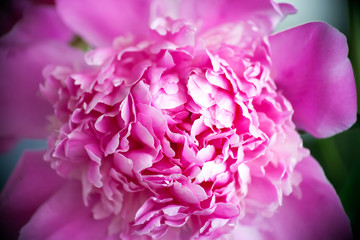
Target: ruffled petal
point(23, 111)
point(211, 13)
point(311, 68)
point(31, 183)
point(64, 216)
point(100, 22)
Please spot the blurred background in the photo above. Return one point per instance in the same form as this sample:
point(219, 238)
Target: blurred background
point(338, 155)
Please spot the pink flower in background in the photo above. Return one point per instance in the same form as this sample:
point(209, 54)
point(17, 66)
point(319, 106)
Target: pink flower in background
point(180, 123)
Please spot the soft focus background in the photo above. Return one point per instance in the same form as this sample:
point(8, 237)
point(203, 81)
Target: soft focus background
point(339, 155)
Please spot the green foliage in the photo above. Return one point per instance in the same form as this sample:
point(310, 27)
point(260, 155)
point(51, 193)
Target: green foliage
point(79, 43)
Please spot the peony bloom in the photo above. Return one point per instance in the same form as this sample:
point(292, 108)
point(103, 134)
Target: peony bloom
point(180, 122)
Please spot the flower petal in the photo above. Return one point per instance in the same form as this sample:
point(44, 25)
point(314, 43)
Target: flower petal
point(23, 110)
point(39, 23)
point(211, 13)
point(311, 68)
point(315, 213)
point(318, 214)
point(25, 191)
point(64, 216)
point(100, 22)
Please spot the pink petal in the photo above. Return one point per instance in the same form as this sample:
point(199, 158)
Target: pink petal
point(261, 190)
point(242, 232)
point(226, 210)
point(123, 164)
point(212, 13)
point(314, 214)
point(64, 216)
point(318, 214)
point(184, 194)
point(100, 22)
point(39, 23)
point(311, 68)
point(26, 190)
point(176, 233)
point(21, 68)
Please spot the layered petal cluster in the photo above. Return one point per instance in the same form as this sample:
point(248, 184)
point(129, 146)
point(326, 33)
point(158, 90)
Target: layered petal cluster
point(180, 123)
point(193, 128)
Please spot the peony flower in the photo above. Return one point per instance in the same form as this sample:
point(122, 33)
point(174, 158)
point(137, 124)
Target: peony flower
point(179, 123)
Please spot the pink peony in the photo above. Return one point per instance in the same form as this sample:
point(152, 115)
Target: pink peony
point(180, 123)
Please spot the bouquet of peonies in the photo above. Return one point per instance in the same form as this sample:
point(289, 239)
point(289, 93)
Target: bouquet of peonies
point(179, 121)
